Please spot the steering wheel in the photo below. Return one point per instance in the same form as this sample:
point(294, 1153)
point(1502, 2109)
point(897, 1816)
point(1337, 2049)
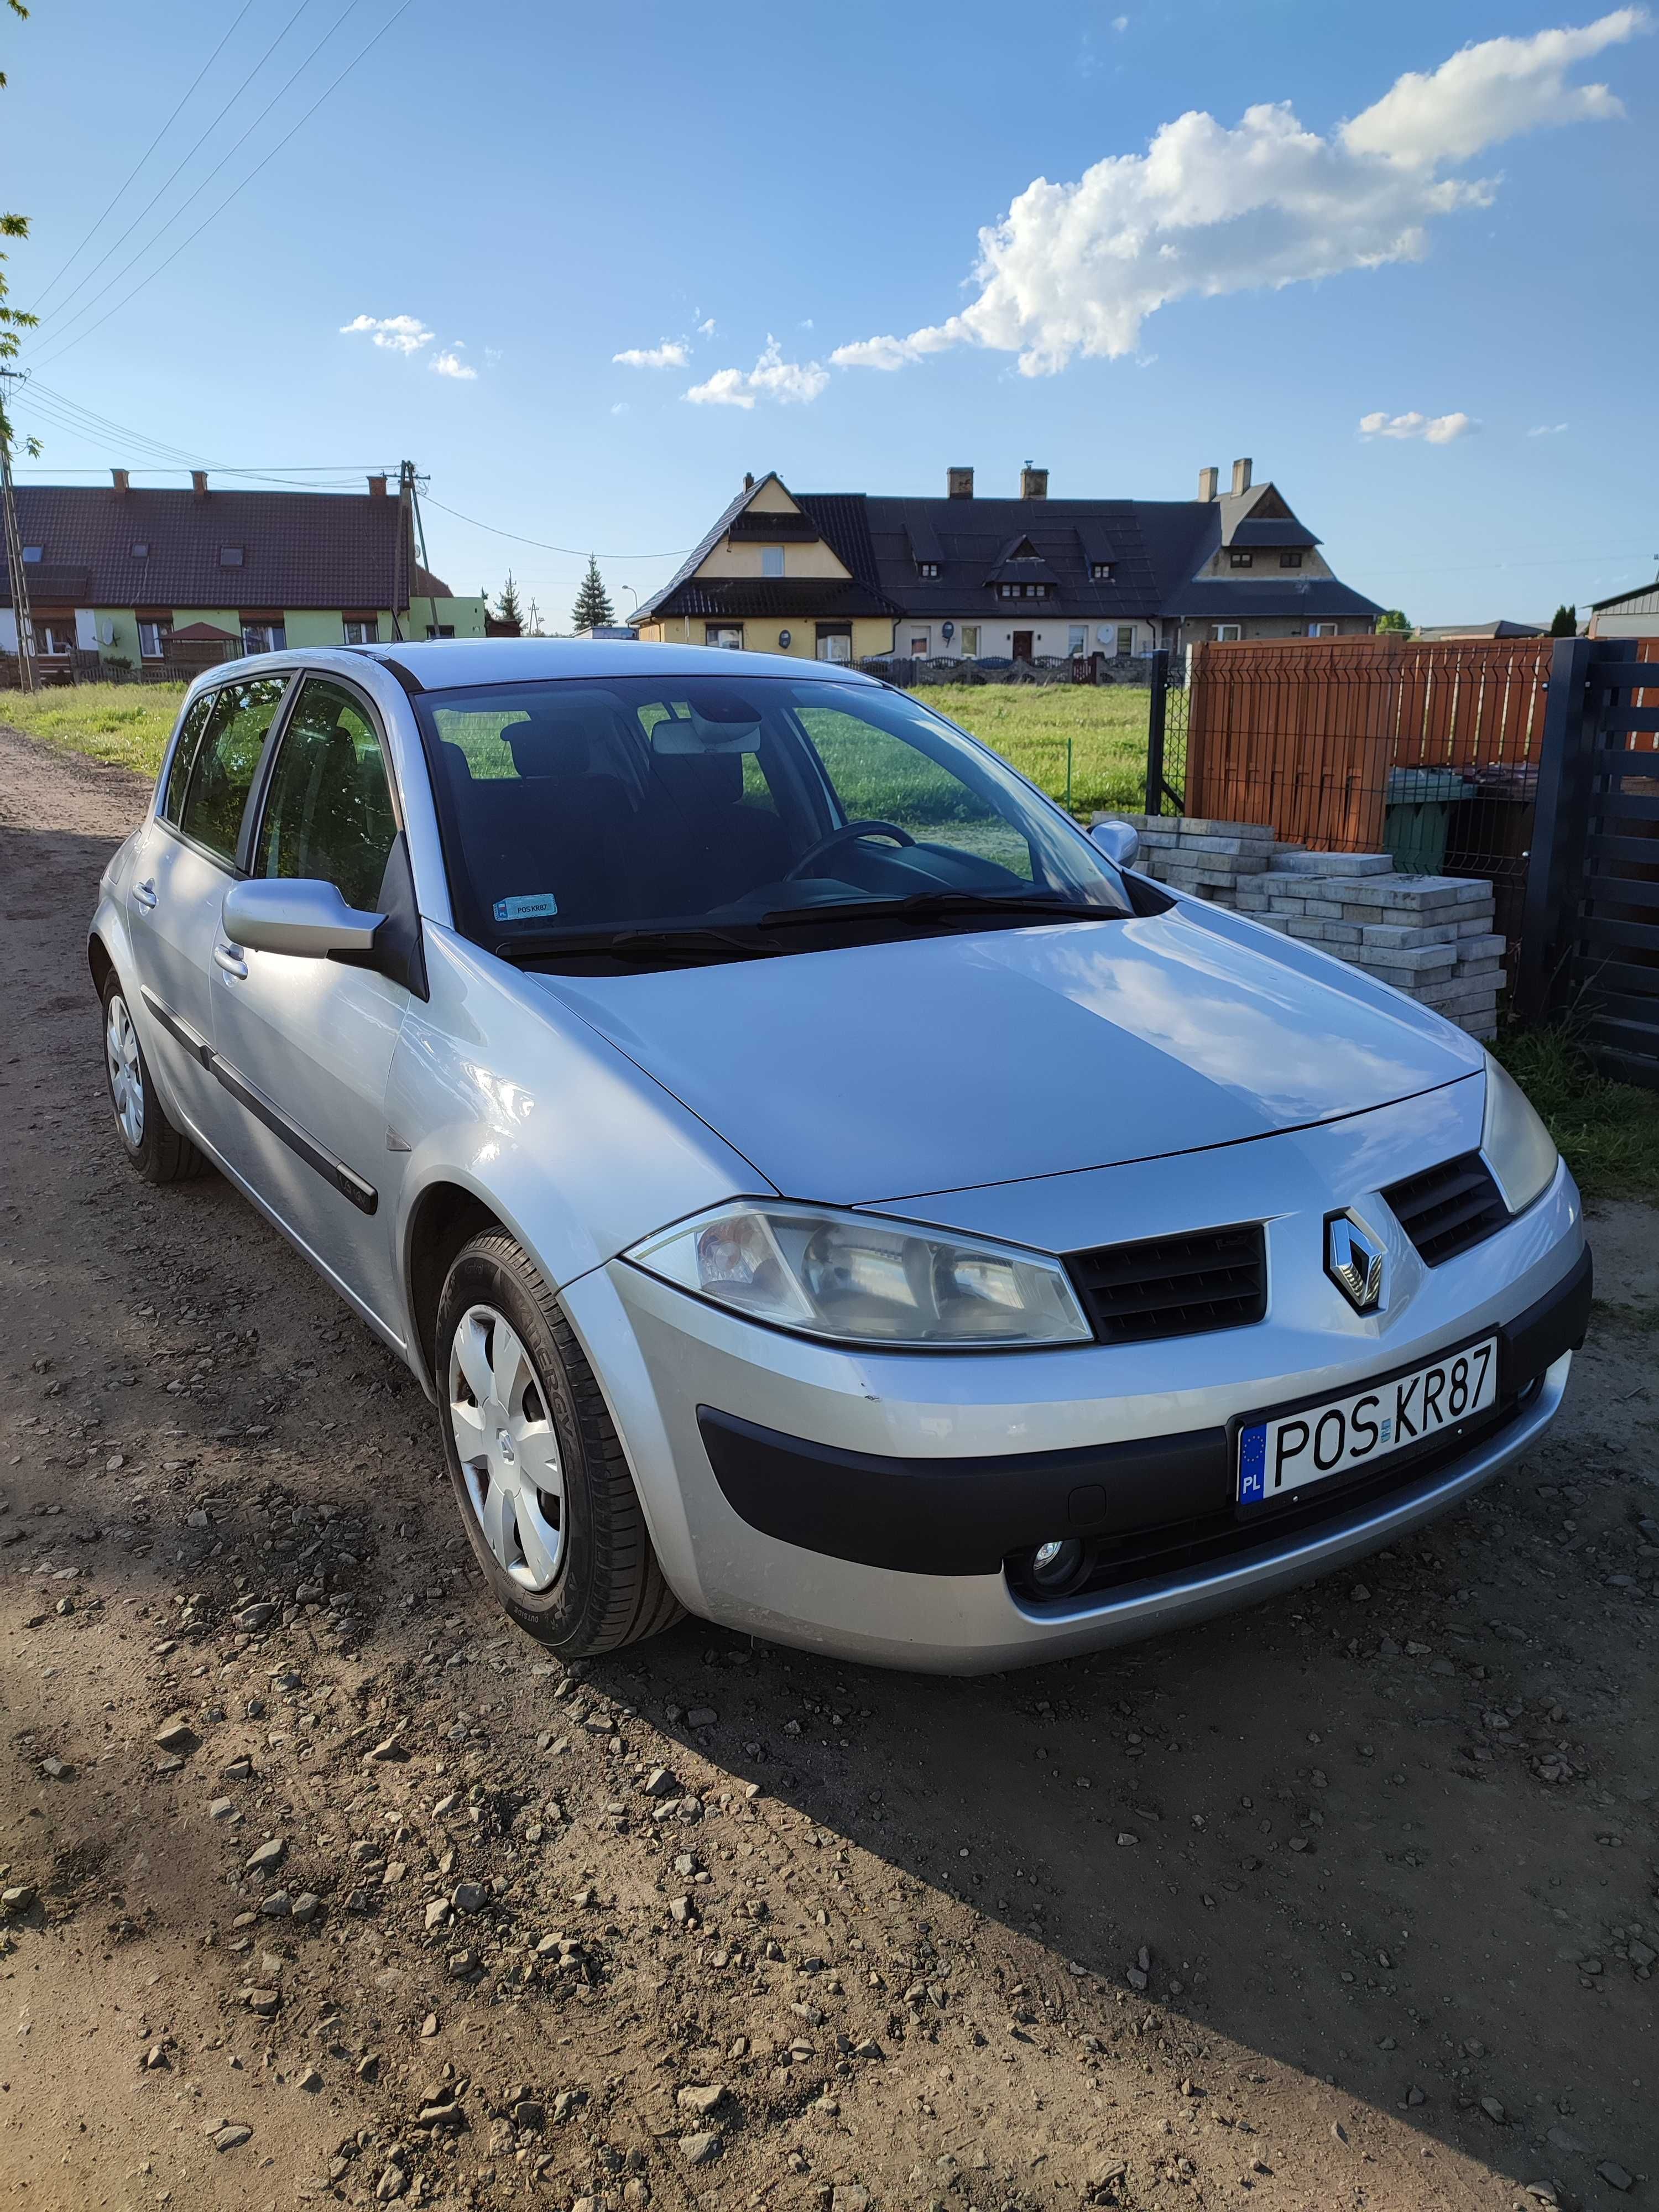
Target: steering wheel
point(845, 836)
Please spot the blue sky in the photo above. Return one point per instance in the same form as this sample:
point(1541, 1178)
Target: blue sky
point(508, 199)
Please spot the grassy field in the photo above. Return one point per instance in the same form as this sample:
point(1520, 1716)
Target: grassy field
point(126, 724)
point(1609, 1132)
point(1031, 724)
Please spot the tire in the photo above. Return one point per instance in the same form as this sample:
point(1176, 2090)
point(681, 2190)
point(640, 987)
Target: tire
point(571, 1561)
point(160, 1152)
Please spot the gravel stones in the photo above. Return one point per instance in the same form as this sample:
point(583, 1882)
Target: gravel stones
point(269, 1857)
point(701, 2149)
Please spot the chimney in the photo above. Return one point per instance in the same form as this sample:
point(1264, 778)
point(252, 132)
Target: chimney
point(958, 484)
point(198, 482)
point(122, 481)
point(1241, 477)
point(377, 487)
point(1033, 483)
point(1209, 482)
point(748, 480)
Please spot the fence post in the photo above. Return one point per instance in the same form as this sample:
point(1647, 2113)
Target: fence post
point(1555, 864)
point(1158, 700)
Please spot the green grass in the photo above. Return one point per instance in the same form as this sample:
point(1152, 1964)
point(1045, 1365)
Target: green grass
point(1608, 1132)
point(1029, 725)
point(125, 724)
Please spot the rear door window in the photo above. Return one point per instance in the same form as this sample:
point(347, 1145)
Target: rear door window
point(222, 774)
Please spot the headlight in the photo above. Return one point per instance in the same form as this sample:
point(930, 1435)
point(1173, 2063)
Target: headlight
point(1518, 1148)
point(865, 1281)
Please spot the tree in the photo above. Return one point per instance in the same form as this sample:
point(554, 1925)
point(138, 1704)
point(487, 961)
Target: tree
point(13, 320)
point(507, 606)
point(1564, 623)
point(593, 606)
point(1393, 620)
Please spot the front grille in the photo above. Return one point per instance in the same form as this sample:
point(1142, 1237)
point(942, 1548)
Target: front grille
point(1174, 1285)
point(1447, 1209)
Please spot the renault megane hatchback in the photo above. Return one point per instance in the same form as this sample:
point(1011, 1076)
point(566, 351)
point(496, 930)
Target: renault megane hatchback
point(819, 1187)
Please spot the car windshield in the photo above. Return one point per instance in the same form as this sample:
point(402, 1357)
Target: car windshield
point(732, 814)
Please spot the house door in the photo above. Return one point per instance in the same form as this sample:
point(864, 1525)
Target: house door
point(1022, 645)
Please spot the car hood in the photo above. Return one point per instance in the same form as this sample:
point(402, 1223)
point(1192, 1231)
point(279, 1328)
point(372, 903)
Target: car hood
point(931, 1064)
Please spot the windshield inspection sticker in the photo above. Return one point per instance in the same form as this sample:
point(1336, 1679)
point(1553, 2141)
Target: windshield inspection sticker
point(529, 907)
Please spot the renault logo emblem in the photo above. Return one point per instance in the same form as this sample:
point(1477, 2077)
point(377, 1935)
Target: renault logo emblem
point(1354, 1260)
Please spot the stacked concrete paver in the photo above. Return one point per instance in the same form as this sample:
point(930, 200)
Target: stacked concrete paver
point(1429, 936)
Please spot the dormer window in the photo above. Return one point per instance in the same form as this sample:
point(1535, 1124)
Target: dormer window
point(1022, 590)
point(141, 551)
point(1236, 560)
point(230, 557)
point(1100, 571)
point(927, 568)
point(1289, 559)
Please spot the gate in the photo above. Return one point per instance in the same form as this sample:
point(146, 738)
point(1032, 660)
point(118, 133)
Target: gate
point(1591, 937)
point(1166, 741)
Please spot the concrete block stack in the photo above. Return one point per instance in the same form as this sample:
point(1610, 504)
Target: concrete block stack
point(1430, 936)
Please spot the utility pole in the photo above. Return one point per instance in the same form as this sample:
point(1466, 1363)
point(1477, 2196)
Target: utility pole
point(402, 577)
point(16, 575)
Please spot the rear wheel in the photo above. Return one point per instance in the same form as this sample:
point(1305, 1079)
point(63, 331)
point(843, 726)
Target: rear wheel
point(544, 1492)
point(159, 1152)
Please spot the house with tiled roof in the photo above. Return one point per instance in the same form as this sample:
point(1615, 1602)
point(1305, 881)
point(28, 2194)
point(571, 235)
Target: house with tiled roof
point(848, 575)
point(165, 581)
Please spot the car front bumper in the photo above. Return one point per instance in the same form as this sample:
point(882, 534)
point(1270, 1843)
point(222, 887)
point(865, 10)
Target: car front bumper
point(863, 1503)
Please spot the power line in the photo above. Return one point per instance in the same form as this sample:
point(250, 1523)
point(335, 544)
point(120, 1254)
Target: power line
point(66, 266)
point(369, 44)
point(70, 414)
point(577, 552)
point(197, 190)
point(188, 157)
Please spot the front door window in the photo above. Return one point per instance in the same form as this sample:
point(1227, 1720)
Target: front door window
point(330, 814)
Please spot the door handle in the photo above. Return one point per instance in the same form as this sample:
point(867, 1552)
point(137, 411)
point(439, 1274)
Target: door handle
point(144, 894)
point(229, 957)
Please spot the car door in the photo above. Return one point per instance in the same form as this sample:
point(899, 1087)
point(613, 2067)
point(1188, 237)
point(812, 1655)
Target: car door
point(303, 1047)
point(186, 862)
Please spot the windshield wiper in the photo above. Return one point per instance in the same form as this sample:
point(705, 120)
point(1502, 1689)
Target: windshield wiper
point(641, 945)
point(923, 905)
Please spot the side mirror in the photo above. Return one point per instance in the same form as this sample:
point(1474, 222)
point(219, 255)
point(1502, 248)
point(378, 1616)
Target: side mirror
point(1119, 840)
point(305, 918)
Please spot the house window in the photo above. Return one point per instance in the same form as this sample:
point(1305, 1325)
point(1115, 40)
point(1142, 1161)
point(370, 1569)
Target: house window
point(54, 636)
point(1101, 571)
point(971, 641)
point(1125, 638)
point(726, 634)
point(1289, 559)
point(834, 641)
point(141, 551)
point(153, 633)
point(262, 637)
point(1241, 559)
point(771, 560)
point(921, 644)
point(1077, 639)
point(230, 557)
point(441, 630)
point(1321, 630)
point(927, 568)
point(361, 629)
point(1227, 633)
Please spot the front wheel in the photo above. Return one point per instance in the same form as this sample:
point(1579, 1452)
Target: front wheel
point(537, 1470)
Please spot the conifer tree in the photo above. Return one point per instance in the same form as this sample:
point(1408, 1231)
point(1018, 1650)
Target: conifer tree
point(593, 606)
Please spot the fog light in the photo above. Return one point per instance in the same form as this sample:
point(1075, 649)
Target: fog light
point(1054, 1565)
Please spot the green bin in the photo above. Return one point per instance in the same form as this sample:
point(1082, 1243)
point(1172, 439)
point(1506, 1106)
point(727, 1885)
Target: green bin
point(1417, 814)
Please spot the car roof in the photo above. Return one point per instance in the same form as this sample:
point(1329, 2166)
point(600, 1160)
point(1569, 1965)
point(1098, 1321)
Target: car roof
point(453, 664)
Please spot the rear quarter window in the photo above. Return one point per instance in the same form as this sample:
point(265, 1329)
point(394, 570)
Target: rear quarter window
point(189, 744)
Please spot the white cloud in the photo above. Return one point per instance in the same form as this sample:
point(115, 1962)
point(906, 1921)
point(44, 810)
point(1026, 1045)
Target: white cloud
point(1546, 430)
point(1119, 22)
point(621, 408)
point(1434, 429)
point(771, 377)
point(706, 330)
point(400, 333)
point(1077, 268)
point(670, 354)
point(449, 363)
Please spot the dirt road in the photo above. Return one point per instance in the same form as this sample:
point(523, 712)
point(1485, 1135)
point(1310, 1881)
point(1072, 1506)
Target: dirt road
point(321, 1884)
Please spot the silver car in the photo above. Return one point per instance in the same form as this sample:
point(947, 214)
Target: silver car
point(820, 1187)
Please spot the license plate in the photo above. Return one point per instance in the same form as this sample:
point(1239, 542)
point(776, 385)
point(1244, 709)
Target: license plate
point(1339, 1435)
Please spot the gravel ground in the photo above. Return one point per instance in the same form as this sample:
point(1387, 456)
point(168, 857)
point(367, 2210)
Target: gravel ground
point(321, 1883)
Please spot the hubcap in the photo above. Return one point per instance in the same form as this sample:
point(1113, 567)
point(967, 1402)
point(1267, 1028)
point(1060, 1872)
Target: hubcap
point(509, 1452)
point(126, 1077)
